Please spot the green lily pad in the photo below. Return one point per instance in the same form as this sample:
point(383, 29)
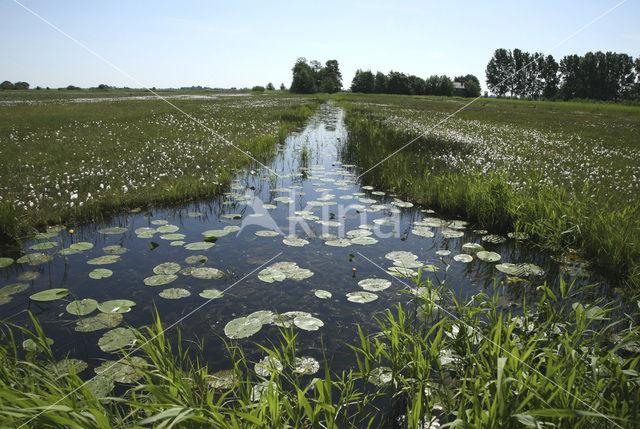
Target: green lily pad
point(116, 306)
point(82, 307)
point(493, 238)
point(264, 316)
point(68, 251)
point(268, 365)
point(100, 386)
point(173, 237)
point(32, 346)
point(122, 371)
point(266, 233)
point(159, 222)
point(400, 254)
point(199, 245)
point(166, 229)
point(381, 376)
point(160, 279)
point(408, 263)
point(206, 273)
point(50, 294)
point(308, 323)
point(166, 268)
point(28, 276)
point(361, 297)
point(114, 249)
point(81, 246)
point(67, 366)
point(270, 275)
point(364, 241)
point(211, 294)
point(117, 339)
point(113, 231)
point(224, 379)
point(242, 327)
point(216, 233)
point(402, 271)
point(322, 294)
point(374, 285)
point(423, 231)
point(13, 289)
point(340, 242)
point(145, 232)
point(98, 322)
point(104, 260)
point(196, 259)
point(44, 245)
point(34, 259)
point(472, 247)
point(443, 252)
point(451, 233)
point(177, 243)
point(306, 365)
point(175, 293)
point(520, 269)
point(485, 256)
point(295, 241)
point(100, 273)
point(5, 262)
point(463, 257)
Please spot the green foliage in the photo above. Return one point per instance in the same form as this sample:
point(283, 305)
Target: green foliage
point(6, 85)
point(258, 88)
point(270, 87)
point(313, 77)
point(363, 81)
point(471, 85)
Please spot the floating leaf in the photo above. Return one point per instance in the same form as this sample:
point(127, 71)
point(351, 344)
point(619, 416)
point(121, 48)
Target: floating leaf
point(100, 386)
point(145, 232)
point(122, 371)
point(5, 262)
point(381, 376)
point(98, 322)
point(306, 365)
point(520, 269)
point(364, 241)
point(423, 231)
point(160, 279)
point(268, 365)
point(115, 249)
point(266, 233)
point(116, 306)
point(295, 241)
point(402, 271)
point(166, 268)
point(67, 366)
point(165, 229)
point(322, 294)
point(374, 285)
point(485, 256)
point(100, 273)
point(104, 260)
point(44, 245)
point(196, 259)
point(82, 307)
point(308, 323)
point(199, 245)
point(224, 379)
point(13, 289)
point(206, 273)
point(159, 222)
point(472, 247)
point(518, 235)
point(50, 294)
point(361, 297)
point(34, 259)
point(171, 237)
point(443, 252)
point(285, 320)
point(216, 233)
point(463, 257)
point(117, 339)
point(340, 242)
point(451, 233)
point(28, 275)
point(113, 231)
point(242, 327)
point(175, 293)
point(81, 246)
point(264, 316)
point(31, 346)
point(495, 239)
point(400, 254)
point(408, 263)
point(68, 251)
point(211, 294)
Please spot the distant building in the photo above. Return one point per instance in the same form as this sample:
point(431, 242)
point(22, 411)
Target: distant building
point(458, 89)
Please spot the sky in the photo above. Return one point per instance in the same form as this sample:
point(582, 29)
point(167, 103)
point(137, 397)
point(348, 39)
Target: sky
point(241, 44)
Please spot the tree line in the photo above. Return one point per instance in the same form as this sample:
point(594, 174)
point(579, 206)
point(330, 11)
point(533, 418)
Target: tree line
point(312, 77)
point(606, 76)
point(400, 83)
point(18, 85)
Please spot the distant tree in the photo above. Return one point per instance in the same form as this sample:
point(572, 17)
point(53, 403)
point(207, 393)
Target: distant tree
point(519, 79)
point(363, 81)
point(270, 87)
point(471, 85)
point(6, 85)
point(72, 88)
point(282, 87)
point(439, 85)
point(500, 72)
point(417, 85)
point(380, 83)
point(304, 81)
point(549, 72)
point(104, 86)
point(258, 88)
point(397, 83)
point(21, 85)
point(331, 78)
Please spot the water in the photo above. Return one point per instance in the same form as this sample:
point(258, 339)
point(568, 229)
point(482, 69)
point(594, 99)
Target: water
point(308, 168)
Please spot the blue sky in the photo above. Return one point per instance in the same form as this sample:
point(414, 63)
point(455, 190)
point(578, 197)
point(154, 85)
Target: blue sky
point(221, 44)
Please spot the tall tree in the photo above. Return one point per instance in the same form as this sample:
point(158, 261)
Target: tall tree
point(6, 85)
point(270, 87)
point(398, 83)
point(417, 85)
point(331, 78)
point(380, 83)
point(500, 72)
point(304, 80)
point(363, 81)
point(471, 85)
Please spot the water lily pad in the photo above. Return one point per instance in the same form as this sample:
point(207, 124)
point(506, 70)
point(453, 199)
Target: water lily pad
point(81, 246)
point(266, 233)
point(443, 252)
point(472, 247)
point(177, 243)
point(361, 297)
point(113, 231)
point(5, 262)
point(322, 294)
point(13, 288)
point(493, 238)
point(463, 257)
point(145, 232)
point(485, 256)
point(122, 371)
point(451, 233)
point(50, 294)
point(28, 276)
point(364, 241)
point(224, 379)
point(242, 327)
point(285, 320)
point(98, 322)
point(175, 293)
point(114, 249)
point(520, 269)
point(234, 216)
point(196, 259)
point(67, 366)
point(34, 259)
point(166, 268)
point(295, 241)
point(381, 376)
point(216, 233)
point(44, 245)
point(264, 316)
point(160, 279)
point(268, 365)
point(32, 346)
point(116, 306)
point(402, 271)
point(340, 242)
point(423, 231)
point(82, 307)
point(68, 251)
point(117, 339)
point(518, 235)
point(100, 273)
point(199, 245)
point(308, 323)
point(206, 273)
point(166, 229)
point(211, 294)
point(400, 254)
point(374, 285)
point(100, 386)
point(306, 365)
point(172, 237)
point(104, 260)
point(159, 222)
point(408, 263)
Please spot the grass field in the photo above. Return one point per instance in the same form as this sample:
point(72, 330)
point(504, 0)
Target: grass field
point(66, 159)
point(567, 174)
